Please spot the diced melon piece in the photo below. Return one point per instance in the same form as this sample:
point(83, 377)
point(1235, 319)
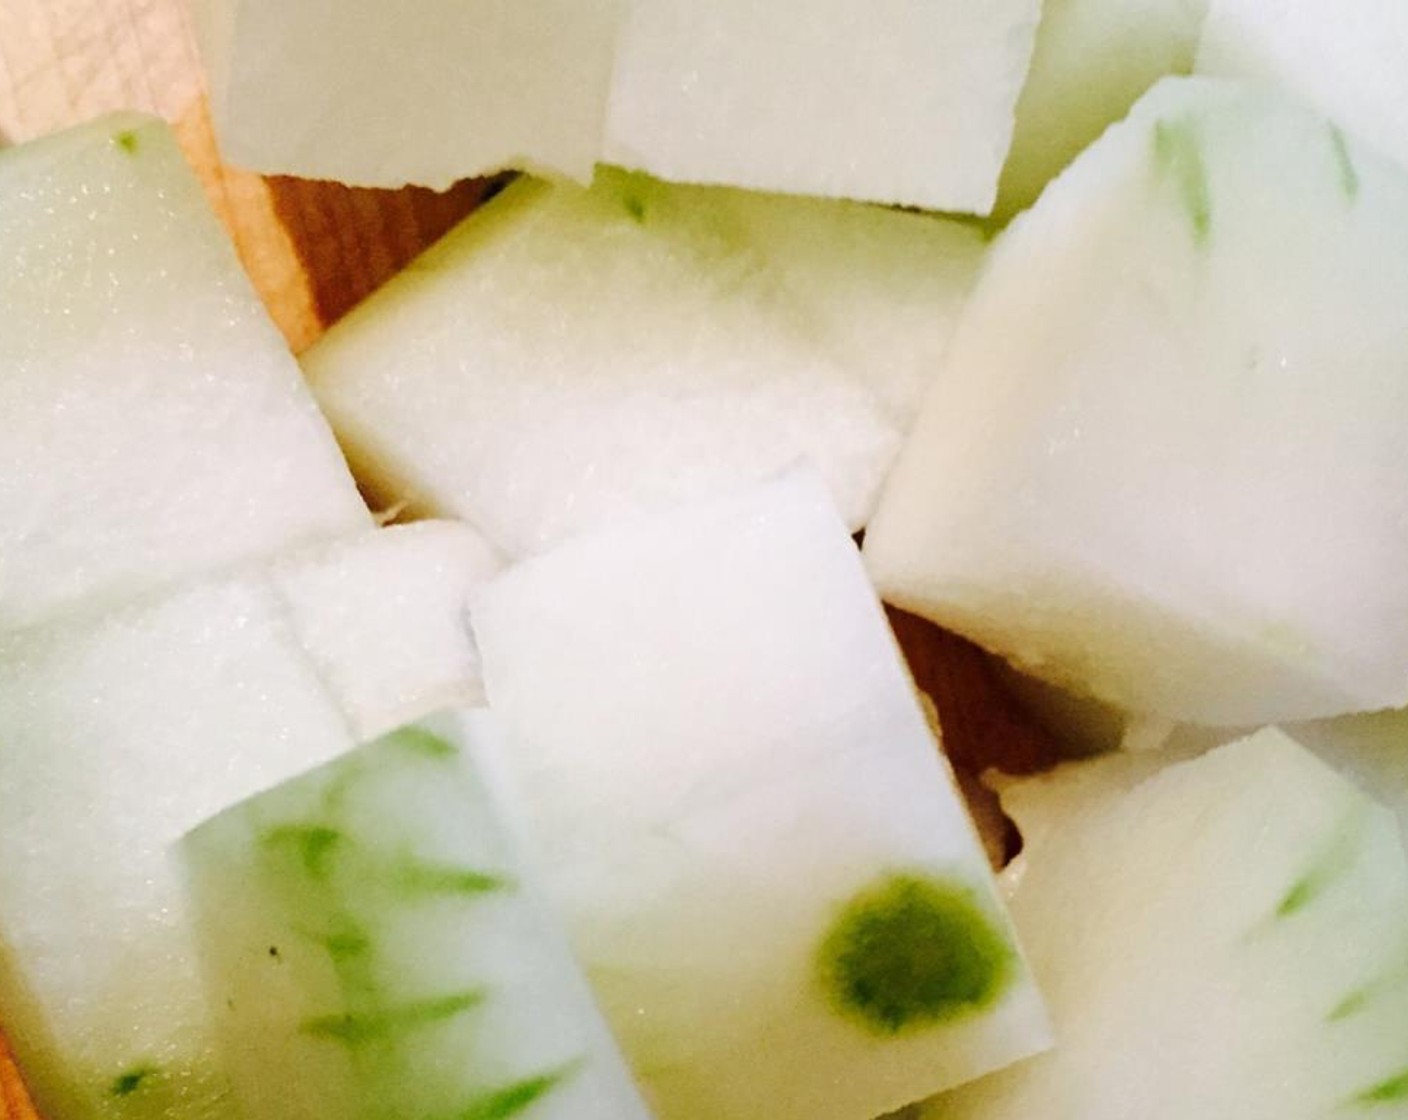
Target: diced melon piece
point(1347, 58)
point(906, 102)
point(357, 90)
point(744, 817)
point(374, 946)
point(1148, 472)
point(568, 358)
point(1228, 940)
point(155, 425)
point(1093, 60)
point(385, 617)
point(117, 735)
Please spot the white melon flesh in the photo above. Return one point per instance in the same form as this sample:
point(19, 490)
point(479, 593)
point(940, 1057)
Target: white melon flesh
point(569, 358)
point(117, 735)
point(1226, 940)
point(1347, 58)
point(906, 102)
point(385, 617)
point(1093, 60)
point(375, 946)
point(358, 90)
point(744, 818)
point(1147, 471)
point(155, 424)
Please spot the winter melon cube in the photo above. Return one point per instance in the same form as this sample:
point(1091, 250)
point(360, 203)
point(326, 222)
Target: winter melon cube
point(1347, 58)
point(569, 358)
point(120, 733)
point(375, 946)
point(1148, 472)
point(905, 102)
point(743, 815)
point(358, 91)
point(155, 425)
point(1227, 940)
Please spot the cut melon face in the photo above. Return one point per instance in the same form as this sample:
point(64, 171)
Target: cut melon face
point(155, 424)
point(385, 617)
point(1092, 62)
point(120, 734)
point(374, 946)
point(358, 92)
point(570, 358)
point(1343, 57)
point(744, 818)
point(1167, 485)
point(1226, 939)
point(907, 102)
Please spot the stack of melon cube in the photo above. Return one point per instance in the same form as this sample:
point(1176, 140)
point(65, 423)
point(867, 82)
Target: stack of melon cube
point(596, 786)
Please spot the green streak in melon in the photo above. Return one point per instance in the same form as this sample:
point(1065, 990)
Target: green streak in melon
point(1337, 858)
point(1178, 154)
point(913, 950)
point(1386, 1092)
point(422, 877)
point(1349, 174)
point(315, 844)
point(515, 1098)
point(357, 1029)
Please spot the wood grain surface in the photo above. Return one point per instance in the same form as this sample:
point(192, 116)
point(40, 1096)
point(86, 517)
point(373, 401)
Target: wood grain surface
point(313, 250)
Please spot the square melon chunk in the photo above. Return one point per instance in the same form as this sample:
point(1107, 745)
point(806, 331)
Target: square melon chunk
point(377, 95)
point(155, 424)
point(904, 102)
point(568, 358)
point(120, 733)
point(1147, 472)
point(375, 946)
point(1226, 939)
point(743, 816)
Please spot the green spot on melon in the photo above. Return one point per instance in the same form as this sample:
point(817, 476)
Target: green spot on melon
point(315, 845)
point(127, 1083)
point(914, 950)
point(1337, 858)
point(1178, 154)
point(127, 141)
point(635, 207)
point(422, 743)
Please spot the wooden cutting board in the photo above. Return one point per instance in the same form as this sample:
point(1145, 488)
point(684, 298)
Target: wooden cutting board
point(313, 250)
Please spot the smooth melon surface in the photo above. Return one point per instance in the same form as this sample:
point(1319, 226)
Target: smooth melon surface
point(568, 358)
point(375, 946)
point(369, 94)
point(155, 425)
point(119, 733)
point(904, 102)
point(1343, 57)
point(1146, 472)
point(742, 814)
point(1225, 939)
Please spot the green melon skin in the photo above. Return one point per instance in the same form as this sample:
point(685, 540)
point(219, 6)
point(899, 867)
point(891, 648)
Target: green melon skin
point(375, 949)
point(120, 732)
point(1176, 485)
point(637, 345)
point(1223, 938)
point(155, 425)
